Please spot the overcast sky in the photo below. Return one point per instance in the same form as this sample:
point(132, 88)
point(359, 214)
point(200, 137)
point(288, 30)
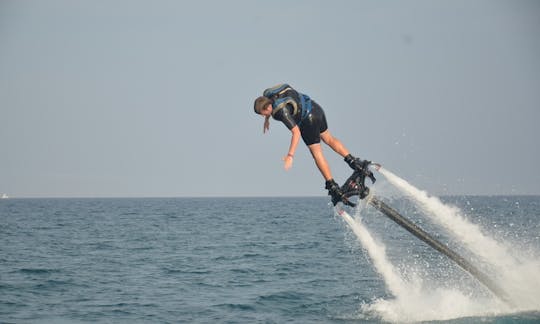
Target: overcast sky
point(154, 98)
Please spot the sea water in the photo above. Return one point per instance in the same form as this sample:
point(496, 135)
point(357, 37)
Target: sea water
point(245, 260)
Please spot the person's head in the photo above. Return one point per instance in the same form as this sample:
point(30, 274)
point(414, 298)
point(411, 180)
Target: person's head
point(263, 106)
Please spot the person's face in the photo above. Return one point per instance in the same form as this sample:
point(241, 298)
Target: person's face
point(267, 111)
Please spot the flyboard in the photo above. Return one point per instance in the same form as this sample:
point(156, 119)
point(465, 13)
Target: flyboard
point(355, 186)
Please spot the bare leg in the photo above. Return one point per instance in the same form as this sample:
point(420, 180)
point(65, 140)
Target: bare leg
point(320, 160)
point(334, 143)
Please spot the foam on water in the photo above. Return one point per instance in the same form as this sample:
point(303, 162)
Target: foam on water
point(517, 274)
point(417, 300)
point(414, 300)
point(377, 253)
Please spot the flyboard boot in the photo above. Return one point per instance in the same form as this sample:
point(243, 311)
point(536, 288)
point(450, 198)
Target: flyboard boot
point(360, 166)
point(355, 185)
point(336, 193)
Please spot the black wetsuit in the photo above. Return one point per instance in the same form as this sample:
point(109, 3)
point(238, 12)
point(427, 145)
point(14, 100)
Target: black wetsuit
point(311, 124)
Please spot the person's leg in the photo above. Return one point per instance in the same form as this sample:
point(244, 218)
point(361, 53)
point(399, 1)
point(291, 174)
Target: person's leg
point(333, 188)
point(320, 160)
point(355, 163)
point(334, 143)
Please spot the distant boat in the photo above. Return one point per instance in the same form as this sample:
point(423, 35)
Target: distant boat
point(4, 196)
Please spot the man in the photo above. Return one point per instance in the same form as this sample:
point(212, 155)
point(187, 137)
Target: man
point(306, 119)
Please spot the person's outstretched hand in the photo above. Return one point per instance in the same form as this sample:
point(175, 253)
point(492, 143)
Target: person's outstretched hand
point(288, 162)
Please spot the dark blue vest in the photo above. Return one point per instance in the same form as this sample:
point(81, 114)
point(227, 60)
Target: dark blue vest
point(280, 100)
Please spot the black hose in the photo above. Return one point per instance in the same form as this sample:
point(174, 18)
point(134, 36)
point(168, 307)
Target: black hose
point(434, 243)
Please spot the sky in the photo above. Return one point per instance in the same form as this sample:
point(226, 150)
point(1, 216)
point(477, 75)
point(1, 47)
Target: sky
point(155, 98)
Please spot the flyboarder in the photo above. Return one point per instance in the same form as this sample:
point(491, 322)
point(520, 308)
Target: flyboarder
point(306, 119)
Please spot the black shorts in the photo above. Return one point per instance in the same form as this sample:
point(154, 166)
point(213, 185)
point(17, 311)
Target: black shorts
point(313, 125)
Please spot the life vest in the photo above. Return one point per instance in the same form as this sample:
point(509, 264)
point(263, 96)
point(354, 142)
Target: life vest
point(279, 101)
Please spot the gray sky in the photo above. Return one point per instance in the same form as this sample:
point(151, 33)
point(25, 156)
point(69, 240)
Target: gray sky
point(154, 98)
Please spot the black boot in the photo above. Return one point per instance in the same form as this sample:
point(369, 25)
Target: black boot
point(360, 166)
point(335, 192)
point(357, 164)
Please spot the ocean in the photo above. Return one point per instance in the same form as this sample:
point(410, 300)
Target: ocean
point(262, 260)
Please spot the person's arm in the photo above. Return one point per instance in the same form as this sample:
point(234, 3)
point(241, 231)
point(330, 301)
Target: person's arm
point(295, 138)
point(285, 117)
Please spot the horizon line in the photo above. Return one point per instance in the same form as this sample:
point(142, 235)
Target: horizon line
point(242, 196)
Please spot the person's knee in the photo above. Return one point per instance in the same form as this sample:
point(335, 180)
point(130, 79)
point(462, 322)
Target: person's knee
point(315, 149)
point(327, 137)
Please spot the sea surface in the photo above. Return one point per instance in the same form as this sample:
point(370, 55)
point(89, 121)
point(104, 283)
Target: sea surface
point(235, 260)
